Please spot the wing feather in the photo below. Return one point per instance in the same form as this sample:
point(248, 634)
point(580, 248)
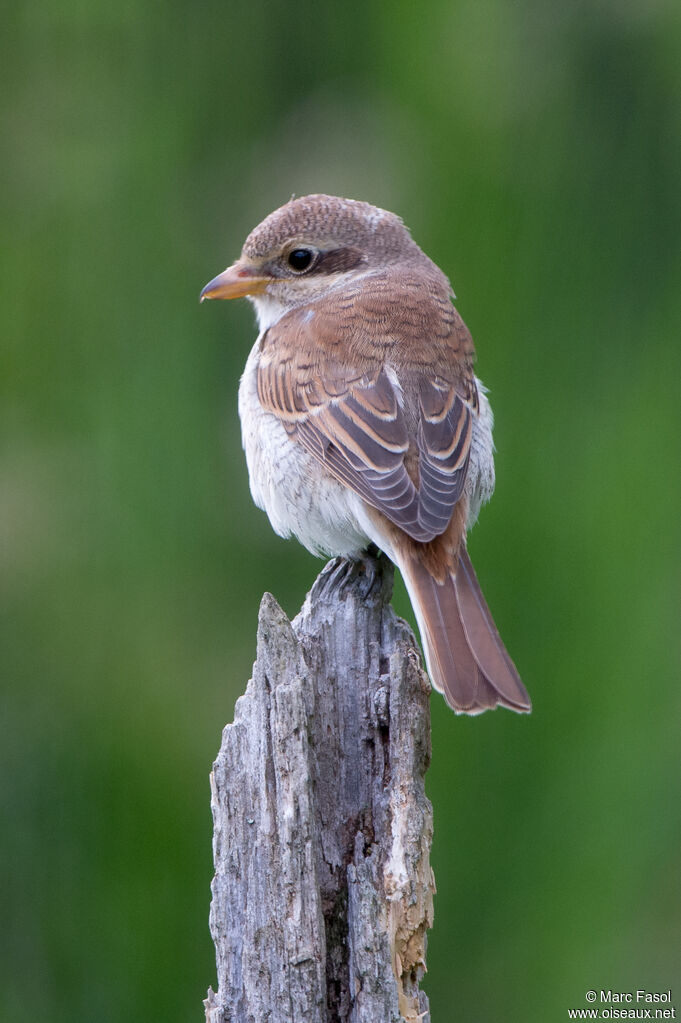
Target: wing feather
point(395, 430)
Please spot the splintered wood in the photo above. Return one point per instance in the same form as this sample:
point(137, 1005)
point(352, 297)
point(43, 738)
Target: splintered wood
point(323, 890)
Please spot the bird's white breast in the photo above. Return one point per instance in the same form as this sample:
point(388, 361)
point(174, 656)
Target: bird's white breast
point(300, 498)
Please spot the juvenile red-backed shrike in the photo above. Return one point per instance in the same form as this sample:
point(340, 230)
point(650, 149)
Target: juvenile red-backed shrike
point(363, 421)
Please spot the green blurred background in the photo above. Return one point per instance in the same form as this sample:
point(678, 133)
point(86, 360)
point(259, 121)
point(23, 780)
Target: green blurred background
point(534, 149)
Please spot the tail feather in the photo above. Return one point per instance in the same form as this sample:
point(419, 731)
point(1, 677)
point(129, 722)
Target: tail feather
point(465, 655)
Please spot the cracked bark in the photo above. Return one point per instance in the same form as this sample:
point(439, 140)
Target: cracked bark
point(323, 889)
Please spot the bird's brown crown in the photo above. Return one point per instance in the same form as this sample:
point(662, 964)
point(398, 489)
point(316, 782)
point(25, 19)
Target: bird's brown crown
point(327, 219)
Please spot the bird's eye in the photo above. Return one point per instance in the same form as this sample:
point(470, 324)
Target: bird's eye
point(300, 259)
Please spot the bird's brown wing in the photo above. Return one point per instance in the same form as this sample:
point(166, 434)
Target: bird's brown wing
point(383, 399)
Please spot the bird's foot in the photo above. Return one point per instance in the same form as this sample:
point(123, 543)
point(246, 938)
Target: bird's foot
point(367, 574)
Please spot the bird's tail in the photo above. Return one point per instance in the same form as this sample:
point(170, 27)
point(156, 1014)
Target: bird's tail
point(465, 656)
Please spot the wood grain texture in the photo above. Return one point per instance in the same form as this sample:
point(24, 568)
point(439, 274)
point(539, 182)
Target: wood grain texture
point(323, 889)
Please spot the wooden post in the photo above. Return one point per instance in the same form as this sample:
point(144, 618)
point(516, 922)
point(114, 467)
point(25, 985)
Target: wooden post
point(323, 890)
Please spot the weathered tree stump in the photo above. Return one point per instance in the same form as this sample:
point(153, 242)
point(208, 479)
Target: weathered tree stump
point(323, 889)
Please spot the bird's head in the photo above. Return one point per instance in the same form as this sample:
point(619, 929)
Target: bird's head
point(309, 246)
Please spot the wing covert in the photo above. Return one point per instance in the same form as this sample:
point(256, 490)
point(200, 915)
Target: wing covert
point(399, 436)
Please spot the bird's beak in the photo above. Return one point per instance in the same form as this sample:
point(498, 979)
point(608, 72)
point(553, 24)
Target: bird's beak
point(236, 281)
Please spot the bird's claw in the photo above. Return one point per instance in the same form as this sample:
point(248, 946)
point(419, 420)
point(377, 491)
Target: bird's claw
point(366, 574)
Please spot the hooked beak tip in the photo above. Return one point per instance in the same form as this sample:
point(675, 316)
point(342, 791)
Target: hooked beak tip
point(237, 281)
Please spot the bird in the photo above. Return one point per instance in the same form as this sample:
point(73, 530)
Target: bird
point(363, 422)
